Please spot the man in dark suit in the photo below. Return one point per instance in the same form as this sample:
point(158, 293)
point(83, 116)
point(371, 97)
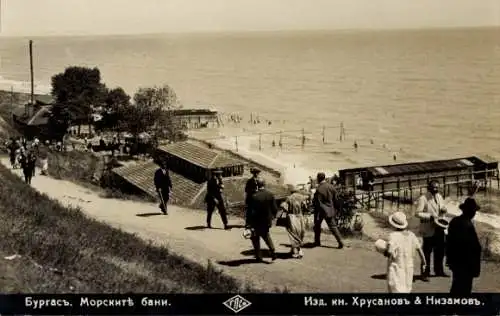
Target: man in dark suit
point(324, 209)
point(251, 187)
point(163, 185)
point(262, 211)
point(214, 198)
point(463, 250)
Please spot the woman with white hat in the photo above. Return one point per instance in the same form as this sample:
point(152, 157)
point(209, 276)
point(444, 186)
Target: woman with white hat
point(400, 251)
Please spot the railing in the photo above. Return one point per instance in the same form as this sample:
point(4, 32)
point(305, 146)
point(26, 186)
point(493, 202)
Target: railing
point(487, 173)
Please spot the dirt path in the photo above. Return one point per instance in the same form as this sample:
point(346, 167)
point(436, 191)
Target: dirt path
point(355, 269)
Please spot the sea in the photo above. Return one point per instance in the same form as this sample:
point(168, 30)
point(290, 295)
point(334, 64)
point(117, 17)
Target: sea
point(401, 96)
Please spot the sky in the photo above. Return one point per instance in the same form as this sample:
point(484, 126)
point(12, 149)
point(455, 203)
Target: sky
point(108, 17)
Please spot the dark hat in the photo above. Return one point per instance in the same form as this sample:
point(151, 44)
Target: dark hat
point(321, 176)
point(217, 171)
point(254, 170)
point(260, 183)
point(469, 204)
point(163, 163)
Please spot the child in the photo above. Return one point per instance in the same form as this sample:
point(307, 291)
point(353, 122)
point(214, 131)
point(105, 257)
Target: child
point(400, 251)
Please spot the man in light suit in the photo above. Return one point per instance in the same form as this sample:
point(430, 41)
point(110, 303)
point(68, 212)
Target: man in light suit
point(431, 206)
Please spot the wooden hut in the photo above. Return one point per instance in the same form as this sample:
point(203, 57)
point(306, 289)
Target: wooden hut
point(196, 162)
point(417, 174)
point(197, 118)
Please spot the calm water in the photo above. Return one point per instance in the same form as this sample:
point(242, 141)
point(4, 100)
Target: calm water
point(420, 94)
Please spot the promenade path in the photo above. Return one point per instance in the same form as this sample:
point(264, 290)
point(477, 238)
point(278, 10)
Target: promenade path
point(357, 268)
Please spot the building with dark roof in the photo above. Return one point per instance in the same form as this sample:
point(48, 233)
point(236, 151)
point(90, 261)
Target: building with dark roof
point(196, 162)
point(417, 174)
point(197, 118)
point(33, 121)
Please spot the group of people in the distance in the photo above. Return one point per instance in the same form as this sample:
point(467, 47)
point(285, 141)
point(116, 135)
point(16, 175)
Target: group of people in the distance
point(262, 209)
point(24, 154)
point(458, 242)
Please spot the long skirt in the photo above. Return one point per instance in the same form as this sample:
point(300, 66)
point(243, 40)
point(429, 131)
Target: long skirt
point(296, 230)
point(44, 164)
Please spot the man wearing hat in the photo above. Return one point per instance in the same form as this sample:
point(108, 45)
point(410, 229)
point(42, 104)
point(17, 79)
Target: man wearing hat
point(324, 200)
point(463, 250)
point(163, 185)
point(214, 198)
point(251, 186)
point(262, 211)
point(430, 208)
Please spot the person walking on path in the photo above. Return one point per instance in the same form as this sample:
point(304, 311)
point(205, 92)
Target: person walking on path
point(251, 187)
point(13, 147)
point(163, 185)
point(463, 250)
point(401, 247)
point(44, 160)
point(214, 198)
point(294, 207)
point(324, 210)
point(26, 166)
point(32, 158)
point(430, 207)
point(262, 211)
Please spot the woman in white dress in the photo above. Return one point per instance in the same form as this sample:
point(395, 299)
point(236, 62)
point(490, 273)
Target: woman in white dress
point(294, 207)
point(400, 253)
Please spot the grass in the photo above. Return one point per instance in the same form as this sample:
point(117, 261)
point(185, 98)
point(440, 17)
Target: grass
point(62, 249)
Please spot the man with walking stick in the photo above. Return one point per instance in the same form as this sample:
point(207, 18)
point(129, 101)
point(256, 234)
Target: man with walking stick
point(214, 198)
point(163, 185)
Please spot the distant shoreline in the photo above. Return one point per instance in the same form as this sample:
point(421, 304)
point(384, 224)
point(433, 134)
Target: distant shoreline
point(257, 33)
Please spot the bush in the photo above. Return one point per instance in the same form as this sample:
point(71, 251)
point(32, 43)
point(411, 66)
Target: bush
point(89, 255)
point(346, 211)
point(73, 165)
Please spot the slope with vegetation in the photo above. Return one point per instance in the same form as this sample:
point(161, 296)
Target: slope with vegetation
point(63, 250)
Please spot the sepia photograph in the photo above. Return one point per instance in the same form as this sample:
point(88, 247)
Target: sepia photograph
point(249, 147)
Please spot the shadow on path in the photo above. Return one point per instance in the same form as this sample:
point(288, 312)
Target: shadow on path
point(267, 254)
point(383, 276)
point(148, 214)
point(239, 262)
point(200, 227)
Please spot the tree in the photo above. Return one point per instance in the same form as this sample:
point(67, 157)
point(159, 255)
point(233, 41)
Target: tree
point(116, 104)
point(78, 89)
point(159, 103)
point(59, 121)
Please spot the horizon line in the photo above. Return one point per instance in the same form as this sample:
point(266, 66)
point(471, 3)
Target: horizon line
point(215, 32)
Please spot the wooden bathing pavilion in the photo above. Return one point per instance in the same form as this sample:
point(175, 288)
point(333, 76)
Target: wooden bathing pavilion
point(197, 163)
point(401, 181)
point(190, 166)
point(195, 118)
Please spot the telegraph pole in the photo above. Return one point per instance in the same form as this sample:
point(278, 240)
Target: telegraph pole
point(1, 16)
point(31, 74)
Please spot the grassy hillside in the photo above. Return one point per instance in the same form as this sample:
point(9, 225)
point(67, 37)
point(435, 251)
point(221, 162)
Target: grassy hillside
point(62, 250)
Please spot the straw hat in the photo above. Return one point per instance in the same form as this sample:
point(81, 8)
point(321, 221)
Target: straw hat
point(381, 245)
point(442, 222)
point(398, 220)
point(254, 170)
point(247, 233)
